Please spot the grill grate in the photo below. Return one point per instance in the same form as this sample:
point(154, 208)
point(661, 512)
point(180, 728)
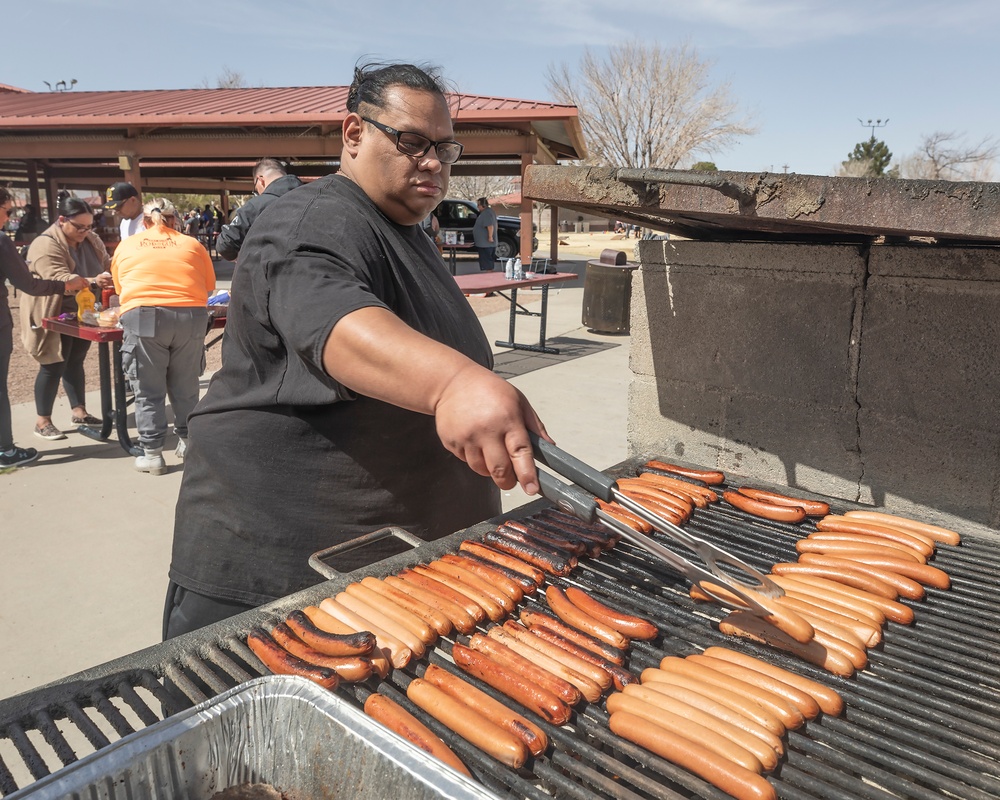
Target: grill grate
point(922, 720)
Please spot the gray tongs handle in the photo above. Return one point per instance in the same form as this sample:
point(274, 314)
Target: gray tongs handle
point(594, 481)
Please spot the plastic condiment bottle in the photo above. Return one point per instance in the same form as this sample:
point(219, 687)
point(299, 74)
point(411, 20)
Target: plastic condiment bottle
point(85, 301)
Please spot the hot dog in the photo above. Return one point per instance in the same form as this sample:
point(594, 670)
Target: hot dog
point(462, 621)
point(936, 533)
point(509, 682)
point(438, 620)
point(847, 646)
point(921, 573)
point(400, 721)
point(392, 610)
point(682, 503)
point(783, 617)
point(467, 723)
point(332, 644)
point(534, 738)
point(894, 611)
point(560, 524)
point(904, 586)
point(735, 780)
point(866, 632)
point(547, 561)
point(588, 688)
point(523, 582)
point(534, 574)
point(493, 609)
point(704, 702)
point(491, 575)
point(323, 621)
point(540, 676)
point(624, 516)
point(869, 539)
point(581, 666)
point(788, 714)
point(686, 727)
point(532, 619)
point(516, 532)
point(467, 577)
point(710, 476)
point(738, 702)
point(352, 669)
point(374, 617)
point(831, 544)
point(803, 701)
point(747, 626)
point(281, 662)
point(795, 587)
point(699, 495)
point(656, 506)
point(562, 538)
point(438, 589)
point(813, 508)
point(759, 508)
point(761, 750)
point(628, 625)
point(845, 575)
point(582, 621)
point(398, 653)
point(915, 541)
point(619, 676)
point(829, 700)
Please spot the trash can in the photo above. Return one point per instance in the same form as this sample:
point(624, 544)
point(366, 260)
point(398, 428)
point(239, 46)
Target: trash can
point(607, 292)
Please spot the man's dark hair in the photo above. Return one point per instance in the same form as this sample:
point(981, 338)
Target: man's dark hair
point(482, 201)
point(266, 165)
point(5, 195)
point(371, 81)
point(73, 206)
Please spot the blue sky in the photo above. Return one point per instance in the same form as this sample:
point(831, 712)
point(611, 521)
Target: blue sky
point(806, 71)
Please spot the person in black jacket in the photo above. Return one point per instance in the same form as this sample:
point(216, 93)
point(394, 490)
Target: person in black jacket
point(13, 269)
point(270, 181)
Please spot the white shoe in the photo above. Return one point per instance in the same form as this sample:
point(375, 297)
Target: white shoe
point(182, 448)
point(151, 461)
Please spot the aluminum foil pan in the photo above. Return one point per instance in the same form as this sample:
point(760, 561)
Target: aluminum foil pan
point(278, 730)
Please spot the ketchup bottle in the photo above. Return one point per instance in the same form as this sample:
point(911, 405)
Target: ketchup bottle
point(106, 293)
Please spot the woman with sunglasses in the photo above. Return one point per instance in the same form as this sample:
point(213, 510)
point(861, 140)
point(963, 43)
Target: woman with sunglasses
point(13, 269)
point(67, 249)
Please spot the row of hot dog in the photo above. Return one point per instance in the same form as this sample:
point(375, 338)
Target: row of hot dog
point(549, 663)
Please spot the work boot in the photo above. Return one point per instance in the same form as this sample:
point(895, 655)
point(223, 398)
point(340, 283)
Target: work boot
point(151, 461)
point(182, 448)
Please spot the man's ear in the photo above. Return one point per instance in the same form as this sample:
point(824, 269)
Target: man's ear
point(351, 132)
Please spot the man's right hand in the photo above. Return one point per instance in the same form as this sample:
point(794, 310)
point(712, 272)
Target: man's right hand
point(77, 284)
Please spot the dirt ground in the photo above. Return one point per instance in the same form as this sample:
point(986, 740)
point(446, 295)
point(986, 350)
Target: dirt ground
point(23, 369)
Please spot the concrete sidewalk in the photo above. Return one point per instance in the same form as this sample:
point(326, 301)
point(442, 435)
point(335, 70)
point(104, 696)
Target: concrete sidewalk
point(86, 539)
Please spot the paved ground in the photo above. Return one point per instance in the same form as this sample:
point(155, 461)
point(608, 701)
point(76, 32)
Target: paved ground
point(86, 539)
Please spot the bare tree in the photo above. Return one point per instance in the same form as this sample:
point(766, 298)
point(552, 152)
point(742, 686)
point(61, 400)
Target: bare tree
point(472, 187)
point(645, 106)
point(942, 156)
point(229, 78)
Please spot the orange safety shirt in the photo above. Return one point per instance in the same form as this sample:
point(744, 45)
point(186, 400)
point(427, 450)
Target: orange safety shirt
point(162, 267)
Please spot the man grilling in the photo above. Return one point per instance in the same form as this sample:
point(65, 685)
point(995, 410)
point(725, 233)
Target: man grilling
point(355, 377)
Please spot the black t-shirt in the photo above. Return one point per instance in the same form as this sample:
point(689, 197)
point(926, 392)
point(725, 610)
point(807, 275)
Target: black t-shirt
point(283, 460)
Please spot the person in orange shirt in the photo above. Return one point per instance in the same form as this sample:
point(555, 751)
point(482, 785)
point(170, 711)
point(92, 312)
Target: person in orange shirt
point(163, 279)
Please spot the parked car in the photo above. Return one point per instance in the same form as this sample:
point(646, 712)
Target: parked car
point(456, 218)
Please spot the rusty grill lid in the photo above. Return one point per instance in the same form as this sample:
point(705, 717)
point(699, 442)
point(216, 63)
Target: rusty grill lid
point(744, 206)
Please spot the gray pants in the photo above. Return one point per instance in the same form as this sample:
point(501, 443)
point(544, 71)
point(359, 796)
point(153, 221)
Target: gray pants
point(163, 354)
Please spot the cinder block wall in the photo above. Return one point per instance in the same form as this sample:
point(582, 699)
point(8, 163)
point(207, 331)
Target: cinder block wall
point(869, 375)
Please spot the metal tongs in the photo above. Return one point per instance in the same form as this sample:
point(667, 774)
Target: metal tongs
point(581, 504)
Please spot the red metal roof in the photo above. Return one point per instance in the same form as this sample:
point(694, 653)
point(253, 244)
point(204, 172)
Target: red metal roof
point(5, 88)
point(311, 105)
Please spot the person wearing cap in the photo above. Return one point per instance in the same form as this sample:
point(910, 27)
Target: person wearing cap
point(356, 390)
point(125, 199)
point(270, 181)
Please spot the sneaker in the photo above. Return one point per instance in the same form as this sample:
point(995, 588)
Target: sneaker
point(86, 419)
point(151, 461)
point(50, 432)
point(182, 448)
point(18, 457)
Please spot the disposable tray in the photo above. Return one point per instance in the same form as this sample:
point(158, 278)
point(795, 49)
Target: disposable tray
point(284, 731)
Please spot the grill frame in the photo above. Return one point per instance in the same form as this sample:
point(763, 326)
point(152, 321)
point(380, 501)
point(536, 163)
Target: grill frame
point(854, 756)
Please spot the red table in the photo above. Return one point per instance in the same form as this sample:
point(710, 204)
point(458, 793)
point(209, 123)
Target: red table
point(114, 403)
point(486, 282)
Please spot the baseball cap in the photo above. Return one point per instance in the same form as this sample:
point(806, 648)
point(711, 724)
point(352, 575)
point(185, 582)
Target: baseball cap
point(118, 193)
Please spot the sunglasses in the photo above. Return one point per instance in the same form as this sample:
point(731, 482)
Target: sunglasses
point(78, 226)
point(413, 144)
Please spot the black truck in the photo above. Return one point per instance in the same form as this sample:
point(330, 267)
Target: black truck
point(456, 218)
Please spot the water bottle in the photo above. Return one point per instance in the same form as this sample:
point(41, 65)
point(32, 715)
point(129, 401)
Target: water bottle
point(509, 269)
point(461, 238)
point(518, 270)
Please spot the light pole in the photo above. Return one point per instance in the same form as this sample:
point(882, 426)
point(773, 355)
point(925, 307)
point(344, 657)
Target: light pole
point(873, 124)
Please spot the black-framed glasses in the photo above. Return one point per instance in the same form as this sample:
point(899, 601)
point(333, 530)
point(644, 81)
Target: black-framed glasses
point(417, 145)
point(79, 227)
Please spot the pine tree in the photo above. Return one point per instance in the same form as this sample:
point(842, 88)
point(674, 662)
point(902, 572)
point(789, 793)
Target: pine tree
point(872, 157)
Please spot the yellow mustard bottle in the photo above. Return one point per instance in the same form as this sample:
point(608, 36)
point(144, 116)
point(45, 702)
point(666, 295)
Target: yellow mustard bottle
point(84, 302)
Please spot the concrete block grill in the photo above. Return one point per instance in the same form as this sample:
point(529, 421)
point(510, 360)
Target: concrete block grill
point(922, 720)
